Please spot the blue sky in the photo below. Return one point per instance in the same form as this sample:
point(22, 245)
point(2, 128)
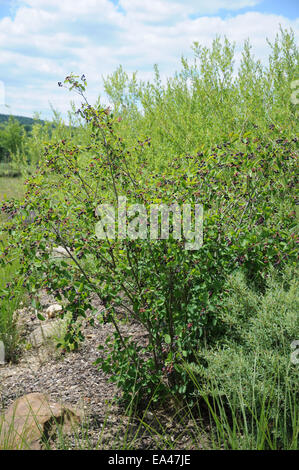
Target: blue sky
point(41, 41)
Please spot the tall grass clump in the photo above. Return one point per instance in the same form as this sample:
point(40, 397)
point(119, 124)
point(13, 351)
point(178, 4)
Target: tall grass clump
point(11, 289)
point(248, 379)
point(11, 295)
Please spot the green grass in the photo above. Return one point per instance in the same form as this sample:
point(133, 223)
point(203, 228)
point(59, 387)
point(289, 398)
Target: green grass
point(263, 425)
point(11, 188)
point(247, 379)
point(7, 171)
point(10, 302)
point(10, 299)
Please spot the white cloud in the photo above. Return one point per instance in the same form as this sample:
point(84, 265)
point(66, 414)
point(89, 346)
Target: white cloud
point(99, 10)
point(153, 10)
point(213, 6)
point(47, 39)
point(159, 10)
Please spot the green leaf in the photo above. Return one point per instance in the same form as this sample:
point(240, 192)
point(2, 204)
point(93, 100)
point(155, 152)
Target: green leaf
point(167, 339)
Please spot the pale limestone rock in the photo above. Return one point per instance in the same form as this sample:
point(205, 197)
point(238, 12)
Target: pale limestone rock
point(46, 331)
point(61, 252)
point(53, 310)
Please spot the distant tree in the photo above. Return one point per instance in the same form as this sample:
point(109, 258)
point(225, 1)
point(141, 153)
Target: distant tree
point(12, 135)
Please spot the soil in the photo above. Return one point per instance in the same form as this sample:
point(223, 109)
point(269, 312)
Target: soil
point(72, 378)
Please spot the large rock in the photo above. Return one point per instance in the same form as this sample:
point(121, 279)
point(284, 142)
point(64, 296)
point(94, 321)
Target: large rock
point(46, 331)
point(33, 419)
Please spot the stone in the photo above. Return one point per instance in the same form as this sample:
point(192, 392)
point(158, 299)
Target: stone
point(32, 419)
point(60, 252)
point(46, 331)
point(53, 310)
point(2, 353)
